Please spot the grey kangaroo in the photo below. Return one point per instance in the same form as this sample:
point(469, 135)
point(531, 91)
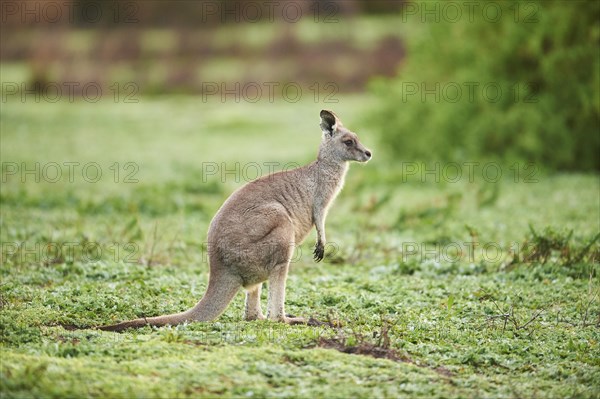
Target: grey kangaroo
point(252, 237)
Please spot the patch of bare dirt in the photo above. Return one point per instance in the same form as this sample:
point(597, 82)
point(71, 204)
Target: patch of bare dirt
point(378, 347)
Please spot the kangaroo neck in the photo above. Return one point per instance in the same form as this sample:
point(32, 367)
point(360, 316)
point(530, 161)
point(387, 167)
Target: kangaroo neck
point(332, 168)
point(329, 176)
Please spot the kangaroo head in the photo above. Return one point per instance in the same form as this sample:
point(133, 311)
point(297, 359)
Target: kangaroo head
point(340, 144)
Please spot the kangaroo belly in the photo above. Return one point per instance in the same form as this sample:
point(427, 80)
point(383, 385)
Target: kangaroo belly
point(301, 230)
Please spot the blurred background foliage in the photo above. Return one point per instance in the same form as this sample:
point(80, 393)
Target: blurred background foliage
point(459, 81)
point(182, 46)
point(521, 82)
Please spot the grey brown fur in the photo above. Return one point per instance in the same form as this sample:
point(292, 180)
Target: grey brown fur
point(252, 237)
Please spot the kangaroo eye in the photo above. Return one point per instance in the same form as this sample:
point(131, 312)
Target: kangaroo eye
point(349, 142)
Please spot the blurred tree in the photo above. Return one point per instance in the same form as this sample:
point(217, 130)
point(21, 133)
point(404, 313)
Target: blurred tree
point(517, 81)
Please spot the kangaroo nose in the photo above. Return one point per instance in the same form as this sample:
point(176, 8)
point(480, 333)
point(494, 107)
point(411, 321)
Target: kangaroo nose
point(368, 153)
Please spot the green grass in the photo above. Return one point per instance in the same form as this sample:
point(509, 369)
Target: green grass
point(486, 324)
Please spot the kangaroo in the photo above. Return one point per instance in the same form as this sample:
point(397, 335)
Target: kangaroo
point(252, 237)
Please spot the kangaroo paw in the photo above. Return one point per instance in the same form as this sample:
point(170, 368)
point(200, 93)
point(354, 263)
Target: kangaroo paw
point(295, 320)
point(255, 317)
point(319, 252)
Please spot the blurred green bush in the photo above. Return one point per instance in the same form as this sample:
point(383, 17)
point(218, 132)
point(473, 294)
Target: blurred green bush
point(509, 81)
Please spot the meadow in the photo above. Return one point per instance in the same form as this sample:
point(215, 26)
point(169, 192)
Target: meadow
point(483, 284)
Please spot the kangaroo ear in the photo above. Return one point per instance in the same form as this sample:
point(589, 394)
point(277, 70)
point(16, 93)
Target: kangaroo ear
point(329, 122)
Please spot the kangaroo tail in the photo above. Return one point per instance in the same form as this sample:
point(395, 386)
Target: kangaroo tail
point(219, 293)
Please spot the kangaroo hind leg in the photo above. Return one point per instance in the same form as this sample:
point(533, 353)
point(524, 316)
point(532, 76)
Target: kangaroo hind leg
point(276, 302)
point(253, 310)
